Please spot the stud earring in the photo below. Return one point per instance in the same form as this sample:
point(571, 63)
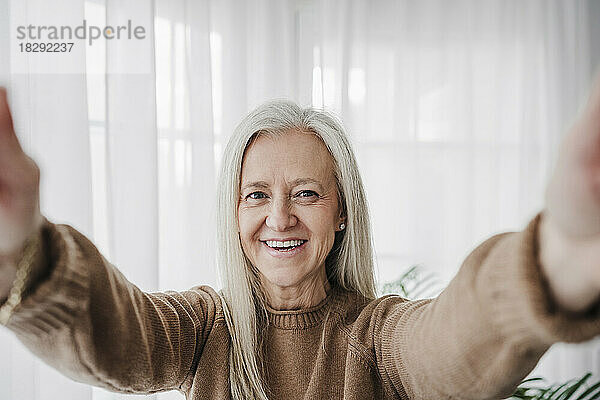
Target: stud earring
point(342, 226)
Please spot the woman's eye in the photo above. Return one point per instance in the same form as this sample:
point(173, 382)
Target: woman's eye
point(307, 194)
point(256, 196)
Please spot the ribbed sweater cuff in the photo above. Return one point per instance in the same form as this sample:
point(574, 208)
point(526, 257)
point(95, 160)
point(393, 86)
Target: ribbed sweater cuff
point(58, 290)
point(520, 301)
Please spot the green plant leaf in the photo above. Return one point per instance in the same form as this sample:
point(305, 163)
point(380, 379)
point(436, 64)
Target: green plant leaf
point(559, 391)
point(413, 284)
point(590, 392)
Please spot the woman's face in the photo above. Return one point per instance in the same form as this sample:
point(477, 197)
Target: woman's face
point(288, 208)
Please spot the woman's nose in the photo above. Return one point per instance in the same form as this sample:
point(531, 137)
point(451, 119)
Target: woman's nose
point(280, 217)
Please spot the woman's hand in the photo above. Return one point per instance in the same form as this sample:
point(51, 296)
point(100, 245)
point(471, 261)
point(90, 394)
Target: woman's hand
point(570, 226)
point(19, 197)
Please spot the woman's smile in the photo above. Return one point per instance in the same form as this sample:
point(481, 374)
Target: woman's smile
point(285, 248)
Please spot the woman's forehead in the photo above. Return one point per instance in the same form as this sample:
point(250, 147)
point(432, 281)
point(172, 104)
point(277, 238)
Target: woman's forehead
point(288, 156)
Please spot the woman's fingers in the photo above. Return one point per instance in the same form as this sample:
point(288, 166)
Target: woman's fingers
point(11, 154)
point(16, 168)
point(8, 138)
point(14, 163)
point(573, 193)
point(19, 186)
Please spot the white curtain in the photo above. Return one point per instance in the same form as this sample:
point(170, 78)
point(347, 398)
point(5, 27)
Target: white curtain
point(456, 110)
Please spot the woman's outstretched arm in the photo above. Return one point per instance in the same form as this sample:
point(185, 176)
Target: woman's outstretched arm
point(485, 332)
point(79, 313)
point(514, 296)
point(570, 229)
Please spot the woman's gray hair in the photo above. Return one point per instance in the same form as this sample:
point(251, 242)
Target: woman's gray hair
point(349, 265)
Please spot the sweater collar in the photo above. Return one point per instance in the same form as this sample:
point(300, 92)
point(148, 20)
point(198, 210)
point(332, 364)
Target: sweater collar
point(308, 317)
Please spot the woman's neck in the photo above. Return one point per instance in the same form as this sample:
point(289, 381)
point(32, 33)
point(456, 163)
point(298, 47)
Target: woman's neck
point(304, 295)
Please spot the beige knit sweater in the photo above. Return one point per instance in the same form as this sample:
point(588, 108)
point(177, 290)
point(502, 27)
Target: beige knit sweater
point(477, 340)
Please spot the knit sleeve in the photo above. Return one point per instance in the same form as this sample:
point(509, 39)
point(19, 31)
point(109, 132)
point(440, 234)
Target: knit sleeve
point(84, 318)
point(485, 332)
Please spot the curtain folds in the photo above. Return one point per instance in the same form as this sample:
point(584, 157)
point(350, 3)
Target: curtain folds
point(455, 109)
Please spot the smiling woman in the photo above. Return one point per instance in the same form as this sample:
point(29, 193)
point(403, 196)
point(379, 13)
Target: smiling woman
point(298, 317)
point(288, 216)
point(288, 174)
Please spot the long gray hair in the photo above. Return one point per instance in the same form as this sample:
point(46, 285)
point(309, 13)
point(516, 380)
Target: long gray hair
point(349, 264)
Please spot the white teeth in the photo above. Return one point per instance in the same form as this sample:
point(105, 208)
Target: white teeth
point(287, 243)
